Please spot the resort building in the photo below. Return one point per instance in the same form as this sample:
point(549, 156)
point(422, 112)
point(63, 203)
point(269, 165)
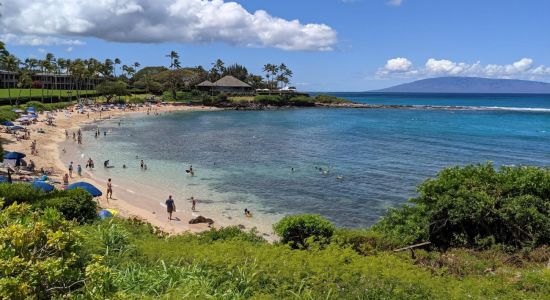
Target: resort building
point(227, 84)
point(8, 80)
point(48, 80)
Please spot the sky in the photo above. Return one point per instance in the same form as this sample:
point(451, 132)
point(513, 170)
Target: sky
point(331, 45)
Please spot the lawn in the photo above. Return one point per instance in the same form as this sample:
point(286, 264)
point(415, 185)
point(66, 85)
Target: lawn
point(38, 93)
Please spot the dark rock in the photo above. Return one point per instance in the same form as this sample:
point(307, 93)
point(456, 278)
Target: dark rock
point(201, 219)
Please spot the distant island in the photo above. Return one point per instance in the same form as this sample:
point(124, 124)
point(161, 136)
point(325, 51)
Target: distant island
point(470, 85)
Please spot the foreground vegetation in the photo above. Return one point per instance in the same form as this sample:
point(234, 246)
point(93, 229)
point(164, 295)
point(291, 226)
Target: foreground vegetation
point(24, 93)
point(52, 245)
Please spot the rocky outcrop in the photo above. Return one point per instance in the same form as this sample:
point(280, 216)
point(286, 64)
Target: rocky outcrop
point(201, 219)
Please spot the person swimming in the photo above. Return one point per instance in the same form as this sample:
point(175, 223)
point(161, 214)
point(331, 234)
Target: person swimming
point(247, 213)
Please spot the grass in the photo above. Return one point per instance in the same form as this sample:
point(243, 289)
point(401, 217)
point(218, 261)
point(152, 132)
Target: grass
point(228, 265)
point(38, 93)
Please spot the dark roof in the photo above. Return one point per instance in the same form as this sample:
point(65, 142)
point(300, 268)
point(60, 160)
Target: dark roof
point(230, 81)
point(205, 83)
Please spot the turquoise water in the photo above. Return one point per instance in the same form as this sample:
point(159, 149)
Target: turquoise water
point(245, 158)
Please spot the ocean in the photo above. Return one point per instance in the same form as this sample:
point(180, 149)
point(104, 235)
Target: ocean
point(349, 165)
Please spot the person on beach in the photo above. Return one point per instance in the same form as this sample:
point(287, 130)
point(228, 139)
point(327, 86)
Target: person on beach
point(66, 179)
point(79, 170)
point(109, 189)
point(193, 203)
point(66, 134)
point(170, 207)
point(247, 213)
point(142, 163)
point(71, 169)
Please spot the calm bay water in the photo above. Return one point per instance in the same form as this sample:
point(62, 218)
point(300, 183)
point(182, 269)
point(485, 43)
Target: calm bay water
point(245, 158)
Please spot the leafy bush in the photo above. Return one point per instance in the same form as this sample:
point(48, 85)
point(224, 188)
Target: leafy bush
point(6, 114)
point(300, 230)
point(328, 99)
point(39, 254)
point(20, 193)
point(269, 100)
point(301, 101)
point(477, 206)
point(75, 205)
point(230, 233)
point(364, 242)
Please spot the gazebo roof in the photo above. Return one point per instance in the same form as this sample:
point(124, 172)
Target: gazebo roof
point(205, 83)
point(230, 81)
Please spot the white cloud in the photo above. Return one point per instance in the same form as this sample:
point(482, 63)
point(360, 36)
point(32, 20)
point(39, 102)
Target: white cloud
point(521, 69)
point(155, 21)
point(37, 40)
point(69, 49)
point(399, 64)
point(41, 50)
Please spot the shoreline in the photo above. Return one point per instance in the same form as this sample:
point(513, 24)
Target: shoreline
point(49, 146)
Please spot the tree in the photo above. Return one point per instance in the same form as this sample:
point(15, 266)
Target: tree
point(116, 62)
point(9, 63)
point(299, 230)
point(217, 70)
point(238, 71)
point(270, 73)
point(174, 60)
point(476, 206)
point(110, 89)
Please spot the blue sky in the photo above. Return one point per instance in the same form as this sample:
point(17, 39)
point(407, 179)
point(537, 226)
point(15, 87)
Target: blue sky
point(338, 45)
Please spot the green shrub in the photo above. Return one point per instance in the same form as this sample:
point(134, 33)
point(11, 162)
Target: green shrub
point(301, 101)
point(477, 206)
point(20, 193)
point(230, 233)
point(75, 205)
point(38, 254)
point(269, 100)
point(328, 99)
point(6, 114)
point(364, 242)
point(300, 230)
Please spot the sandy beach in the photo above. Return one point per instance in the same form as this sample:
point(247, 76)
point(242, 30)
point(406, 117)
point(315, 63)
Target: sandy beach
point(130, 203)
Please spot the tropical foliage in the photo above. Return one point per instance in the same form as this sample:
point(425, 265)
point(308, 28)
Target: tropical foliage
point(477, 206)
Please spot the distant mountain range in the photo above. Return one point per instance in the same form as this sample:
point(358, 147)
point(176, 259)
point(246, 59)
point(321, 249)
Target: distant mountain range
point(470, 85)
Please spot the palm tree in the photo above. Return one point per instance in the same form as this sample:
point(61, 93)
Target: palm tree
point(117, 62)
point(271, 71)
point(174, 60)
point(9, 63)
point(136, 65)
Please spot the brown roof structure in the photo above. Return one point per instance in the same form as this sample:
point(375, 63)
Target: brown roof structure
point(205, 83)
point(230, 81)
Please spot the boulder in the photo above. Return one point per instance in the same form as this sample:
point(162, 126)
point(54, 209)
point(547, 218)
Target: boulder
point(201, 219)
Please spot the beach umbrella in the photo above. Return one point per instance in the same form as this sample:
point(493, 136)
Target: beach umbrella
point(30, 108)
point(104, 214)
point(7, 123)
point(41, 185)
point(13, 155)
point(3, 179)
point(87, 187)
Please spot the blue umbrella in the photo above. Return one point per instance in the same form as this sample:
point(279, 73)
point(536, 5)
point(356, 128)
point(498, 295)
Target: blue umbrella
point(3, 179)
point(104, 214)
point(87, 187)
point(7, 123)
point(30, 108)
point(13, 155)
point(41, 185)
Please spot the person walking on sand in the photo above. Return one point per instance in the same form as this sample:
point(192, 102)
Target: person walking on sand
point(66, 180)
point(193, 203)
point(71, 169)
point(170, 207)
point(109, 189)
point(79, 170)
